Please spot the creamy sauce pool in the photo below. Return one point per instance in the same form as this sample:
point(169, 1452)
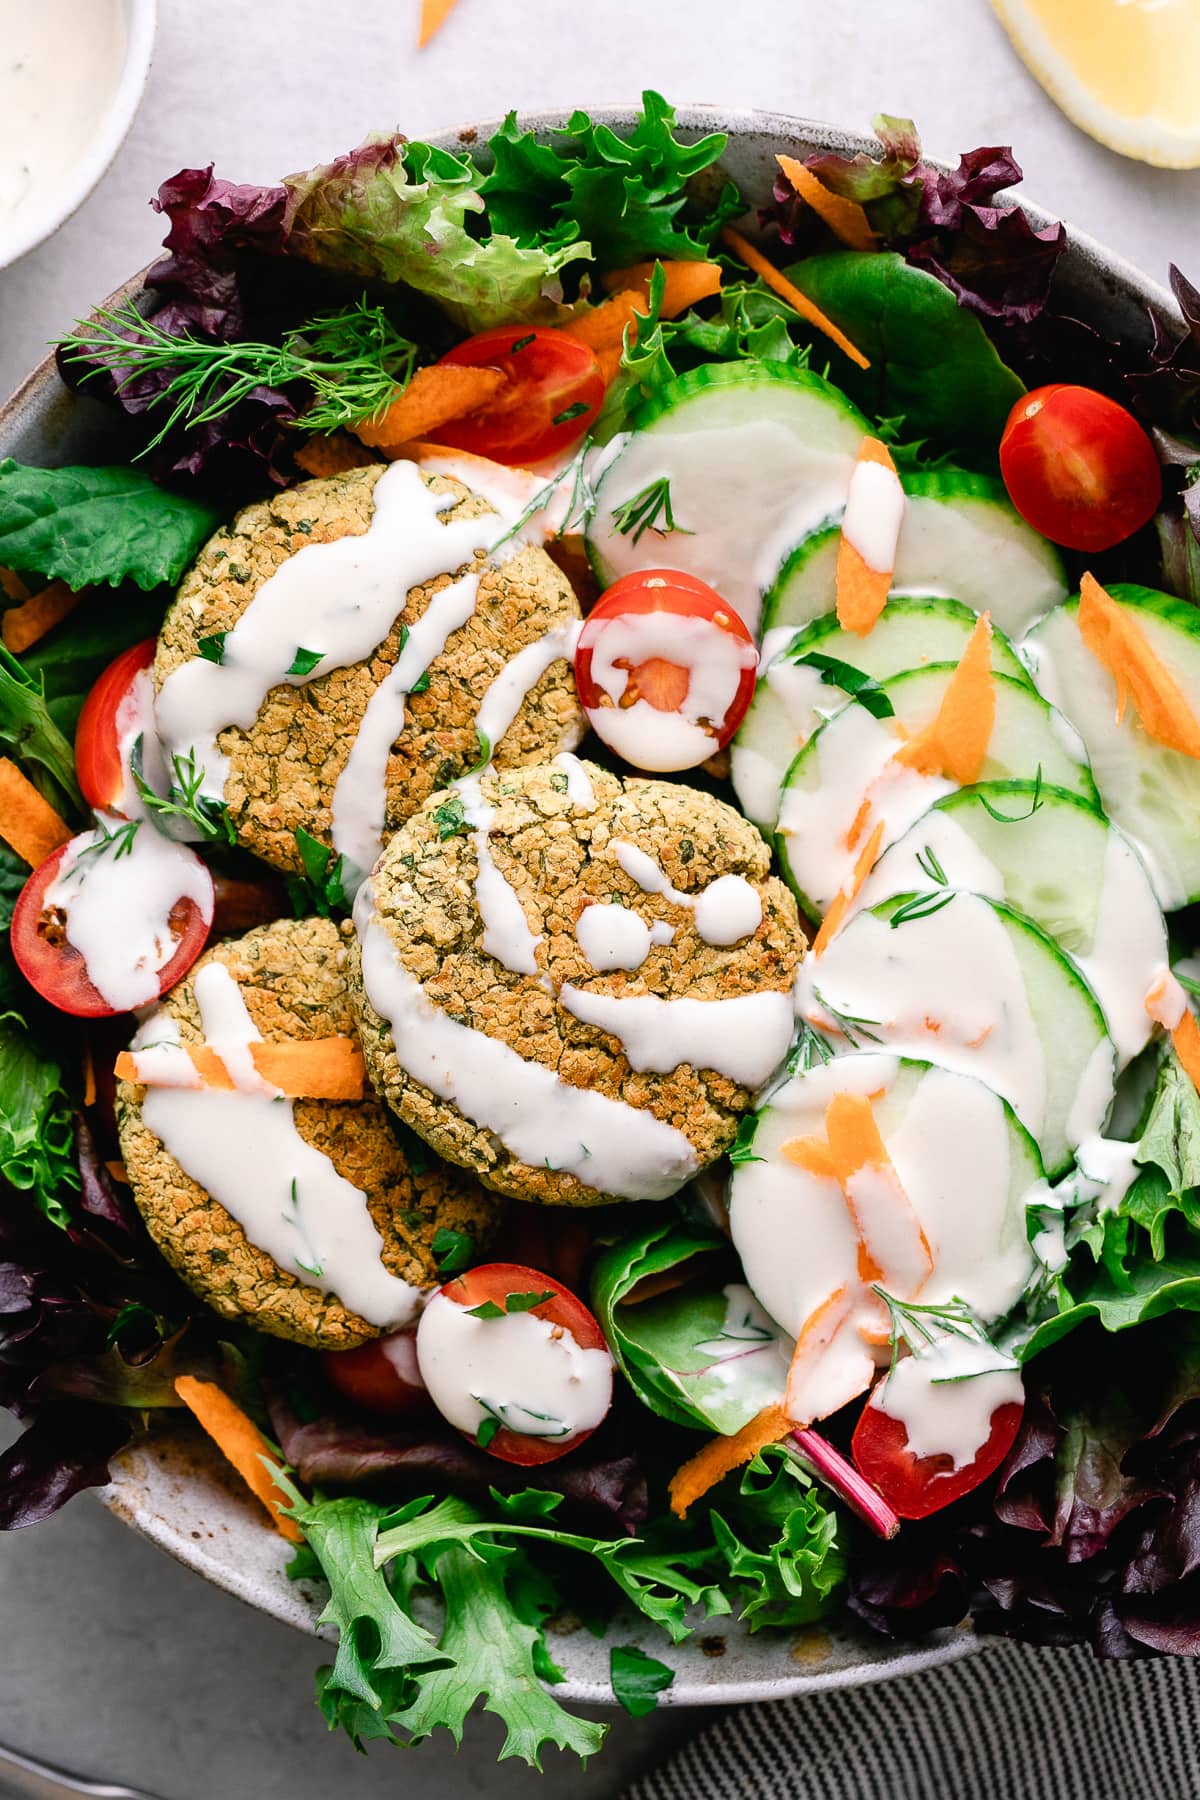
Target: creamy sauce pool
point(60, 63)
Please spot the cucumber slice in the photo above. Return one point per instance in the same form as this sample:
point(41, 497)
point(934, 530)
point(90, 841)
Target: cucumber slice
point(1057, 859)
point(963, 1160)
point(1151, 792)
point(982, 988)
point(827, 783)
point(755, 454)
point(961, 536)
point(791, 699)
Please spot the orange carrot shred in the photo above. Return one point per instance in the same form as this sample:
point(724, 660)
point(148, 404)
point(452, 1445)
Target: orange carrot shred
point(27, 822)
point(1115, 638)
point(332, 453)
point(305, 1069)
point(684, 283)
point(1186, 1039)
point(787, 290)
point(433, 397)
point(89, 1076)
point(693, 1479)
point(861, 590)
point(118, 1171)
point(955, 742)
point(603, 327)
point(434, 14)
point(242, 1445)
point(842, 902)
point(845, 218)
point(811, 1154)
point(816, 1335)
point(22, 626)
point(13, 586)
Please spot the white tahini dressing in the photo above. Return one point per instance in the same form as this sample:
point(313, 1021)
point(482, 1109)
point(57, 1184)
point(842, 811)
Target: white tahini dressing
point(946, 1396)
point(117, 903)
point(523, 1371)
point(505, 696)
point(60, 63)
point(874, 514)
point(641, 733)
point(612, 937)
point(506, 932)
point(244, 1149)
point(135, 722)
point(744, 1038)
point(727, 911)
point(339, 600)
point(580, 791)
point(541, 1120)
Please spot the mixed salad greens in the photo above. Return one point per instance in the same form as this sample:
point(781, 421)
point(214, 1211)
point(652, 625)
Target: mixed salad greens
point(279, 315)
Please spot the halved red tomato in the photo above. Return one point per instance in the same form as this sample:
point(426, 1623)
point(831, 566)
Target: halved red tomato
point(498, 1283)
point(57, 970)
point(662, 642)
point(915, 1486)
point(381, 1377)
point(98, 760)
point(1078, 467)
point(552, 392)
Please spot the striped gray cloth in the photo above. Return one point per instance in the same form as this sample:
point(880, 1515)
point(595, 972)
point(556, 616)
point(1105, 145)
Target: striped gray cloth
point(1011, 1723)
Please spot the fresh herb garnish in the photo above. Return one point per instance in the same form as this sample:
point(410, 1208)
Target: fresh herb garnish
point(487, 1428)
point(809, 1049)
point(637, 1679)
point(513, 1303)
point(920, 1328)
point(929, 864)
point(105, 839)
point(644, 511)
point(575, 411)
point(851, 1027)
point(742, 1148)
point(450, 818)
point(452, 1250)
point(212, 648)
point(487, 1309)
point(483, 753)
point(522, 343)
point(185, 801)
point(835, 673)
point(919, 906)
point(1003, 818)
point(305, 661)
point(321, 888)
point(353, 360)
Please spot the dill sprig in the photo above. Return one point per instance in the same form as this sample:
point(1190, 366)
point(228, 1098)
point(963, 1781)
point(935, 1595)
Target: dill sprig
point(354, 360)
point(104, 839)
point(186, 801)
point(649, 510)
point(919, 1329)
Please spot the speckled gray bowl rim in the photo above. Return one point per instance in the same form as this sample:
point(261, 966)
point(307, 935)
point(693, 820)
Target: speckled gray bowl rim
point(171, 1485)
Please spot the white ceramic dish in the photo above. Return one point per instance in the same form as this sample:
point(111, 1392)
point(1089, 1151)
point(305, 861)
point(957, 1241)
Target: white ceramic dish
point(139, 19)
point(173, 1487)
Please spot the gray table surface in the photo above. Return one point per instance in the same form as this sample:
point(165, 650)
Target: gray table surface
point(114, 1660)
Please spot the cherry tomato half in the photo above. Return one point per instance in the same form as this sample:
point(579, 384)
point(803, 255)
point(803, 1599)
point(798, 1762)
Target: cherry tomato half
point(552, 393)
point(916, 1486)
point(495, 1282)
point(58, 971)
point(108, 714)
point(1078, 467)
point(664, 638)
point(381, 1377)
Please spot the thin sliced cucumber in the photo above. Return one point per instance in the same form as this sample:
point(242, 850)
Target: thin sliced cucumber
point(984, 990)
point(961, 536)
point(964, 1161)
point(820, 832)
point(1151, 792)
point(791, 699)
point(754, 456)
point(1057, 859)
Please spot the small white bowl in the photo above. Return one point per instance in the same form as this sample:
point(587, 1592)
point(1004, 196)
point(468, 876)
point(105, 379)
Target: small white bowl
point(140, 19)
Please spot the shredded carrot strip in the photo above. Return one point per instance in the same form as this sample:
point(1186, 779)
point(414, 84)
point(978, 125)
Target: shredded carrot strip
point(693, 1479)
point(812, 1154)
point(332, 453)
point(845, 218)
point(433, 397)
point(861, 590)
point(22, 626)
point(434, 14)
point(89, 1076)
point(312, 1069)
point(1186, 1039)
point(955, 742)
point(684, 283)
point(242, 1445)
point(602, 328)
point(13, 586)
point(1116, 639)
point(787, 290)
point(816, 1335)
point(118, 1171)
point(27, 822)
point(842, 902)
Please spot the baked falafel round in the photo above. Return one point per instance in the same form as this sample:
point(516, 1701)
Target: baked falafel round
point(284, 768)
point(563, 858)
point(293, 978)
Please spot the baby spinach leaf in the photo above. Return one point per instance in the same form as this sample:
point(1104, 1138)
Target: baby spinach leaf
point(637, 1679)
point(89, 527)
point(931, 361)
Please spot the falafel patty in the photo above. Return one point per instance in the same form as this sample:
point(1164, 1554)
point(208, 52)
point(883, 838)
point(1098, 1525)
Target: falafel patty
point(293, 979)
point(282, 768)
point(571, 983)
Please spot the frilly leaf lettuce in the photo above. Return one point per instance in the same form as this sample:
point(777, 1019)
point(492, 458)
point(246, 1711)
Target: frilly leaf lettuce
point(781, 1543)
point(400, 212)
point(36, 1135)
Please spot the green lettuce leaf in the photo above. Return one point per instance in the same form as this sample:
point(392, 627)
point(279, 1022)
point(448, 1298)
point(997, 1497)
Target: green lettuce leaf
point(28, 732)
point(67, 662)
point(36, 1132)
point(90, 527)
point(401, 212)
point(932, 363)
point(637, 1679)
point(781, 1543)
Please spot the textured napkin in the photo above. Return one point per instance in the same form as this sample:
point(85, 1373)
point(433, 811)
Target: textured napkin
point(1011, 1723)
